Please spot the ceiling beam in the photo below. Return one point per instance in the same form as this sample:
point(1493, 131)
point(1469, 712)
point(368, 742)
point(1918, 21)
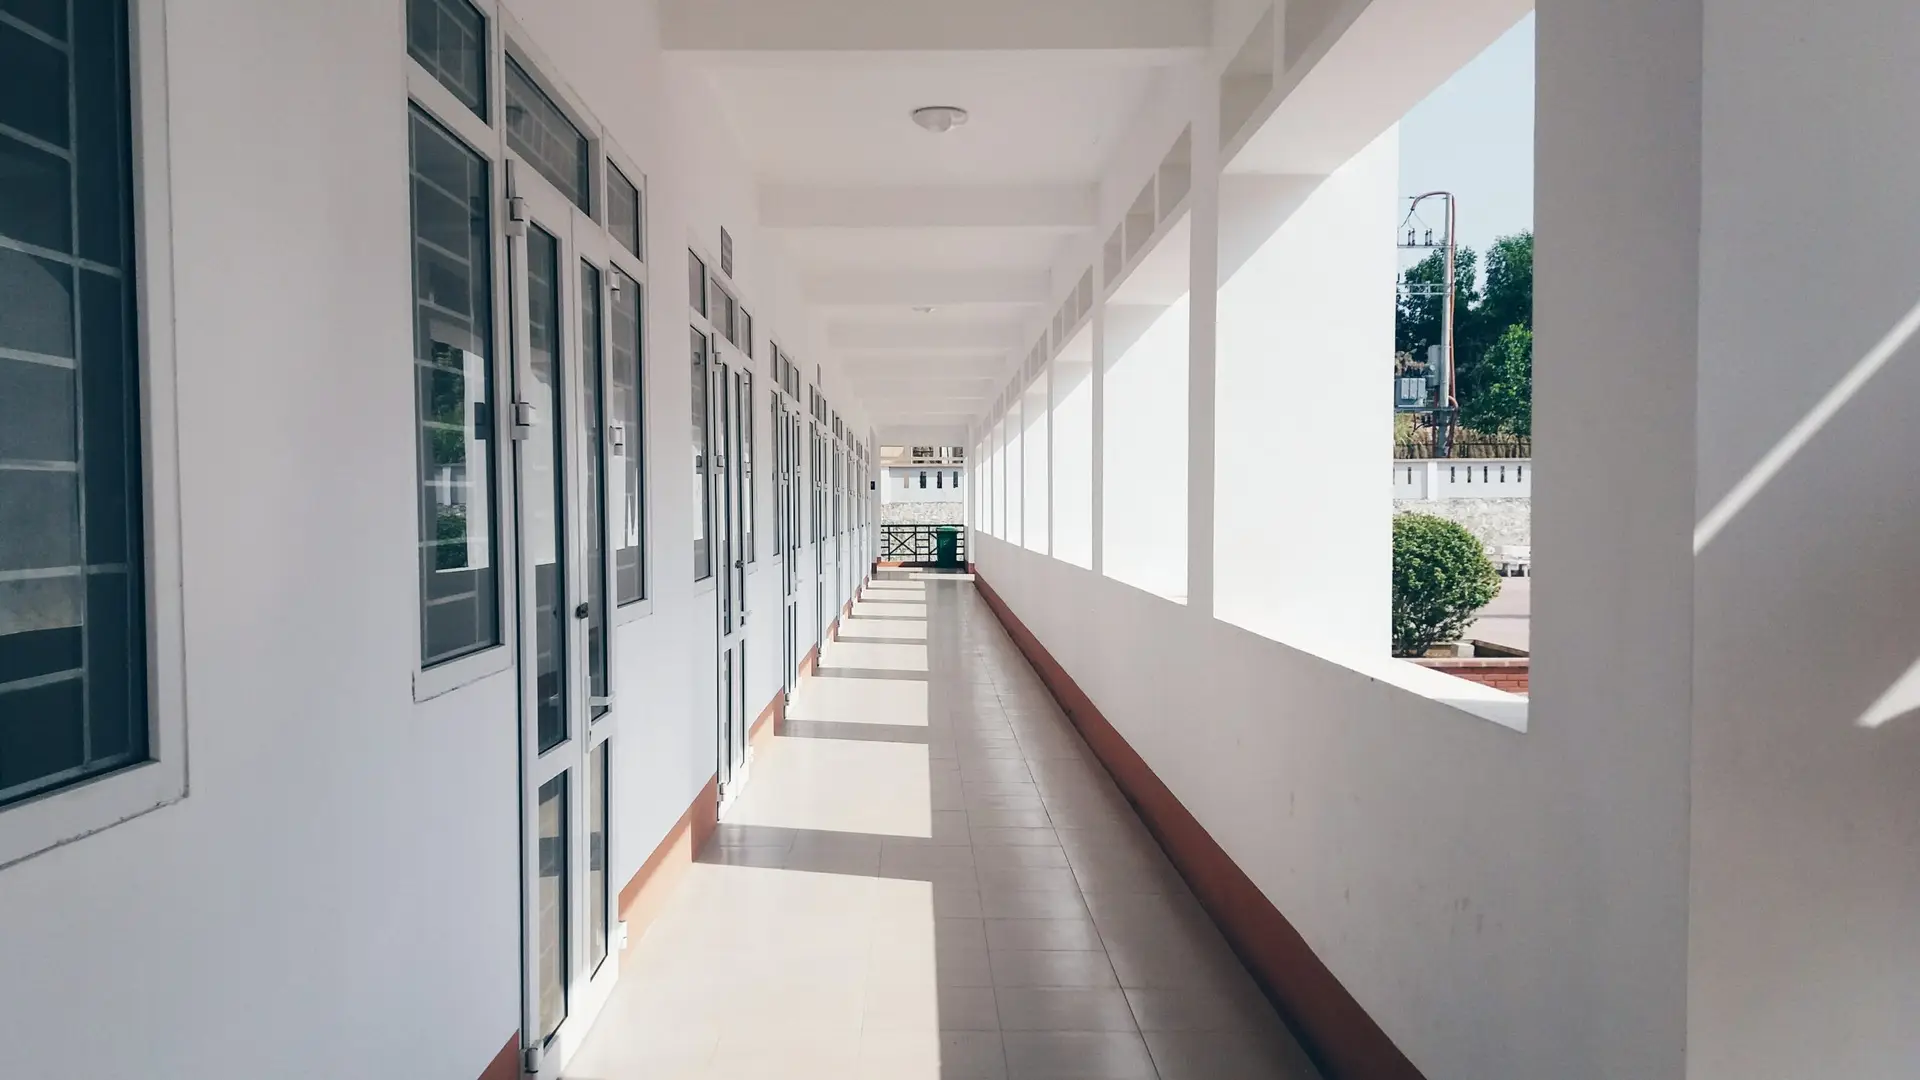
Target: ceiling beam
point(933, 25)
point(924, 288)
point(1060, 206)
point(881, 363)
point(931, 337)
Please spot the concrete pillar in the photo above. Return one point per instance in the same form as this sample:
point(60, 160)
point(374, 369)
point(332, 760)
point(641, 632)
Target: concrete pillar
point(1204, 278)
point(1098, 328)
point(1616, 312)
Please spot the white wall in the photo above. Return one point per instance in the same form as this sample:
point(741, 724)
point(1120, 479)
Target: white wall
point(1506, 903)
point(337, 896)
point(1434, 479)
point(1145, 527)
point(1700, 857)
point(1805, 952)
point(1305, 346)
point(901, 484)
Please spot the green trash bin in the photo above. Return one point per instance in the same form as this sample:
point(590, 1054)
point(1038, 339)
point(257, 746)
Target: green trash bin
point(946, 547)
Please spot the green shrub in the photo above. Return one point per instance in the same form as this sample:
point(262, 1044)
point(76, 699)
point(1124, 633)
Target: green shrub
point(1441, 577)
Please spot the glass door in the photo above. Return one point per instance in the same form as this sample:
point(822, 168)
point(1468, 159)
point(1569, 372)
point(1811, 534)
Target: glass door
point(560, 285)
point(726, 428)
point(839, 527)
point(786, 435)
point(817, 468)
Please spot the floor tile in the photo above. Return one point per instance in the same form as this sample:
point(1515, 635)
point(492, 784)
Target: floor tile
point(1058, 1055)
point(930, 877)
point(1033, 968)
point(1269, 1054)
point(1042, 934)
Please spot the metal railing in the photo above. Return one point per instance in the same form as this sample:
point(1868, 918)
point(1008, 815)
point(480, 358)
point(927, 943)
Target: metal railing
point(919, 543)
point(1497, 446)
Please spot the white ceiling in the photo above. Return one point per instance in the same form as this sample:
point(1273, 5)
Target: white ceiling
point(1032, 120)
point(882, 217)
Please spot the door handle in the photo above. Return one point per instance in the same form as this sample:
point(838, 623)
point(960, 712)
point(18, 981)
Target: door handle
point(582, 610)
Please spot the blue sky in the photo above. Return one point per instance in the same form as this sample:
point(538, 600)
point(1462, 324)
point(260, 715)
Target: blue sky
point(1474, 136)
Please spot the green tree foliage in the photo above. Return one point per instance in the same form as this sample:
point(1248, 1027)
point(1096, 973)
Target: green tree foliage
point(1508, 300)
point(1418, 322)
point(1441, 577)
point(1501, 401)
point(1481, 319)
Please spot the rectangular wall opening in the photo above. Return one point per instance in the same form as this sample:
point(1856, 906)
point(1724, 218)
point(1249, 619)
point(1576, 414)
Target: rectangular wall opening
point(1035, 409)
point(1144, 504)
point(1072, 465)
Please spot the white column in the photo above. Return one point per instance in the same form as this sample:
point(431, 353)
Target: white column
point(1202, 335)
point(1098, 328)
point(1046, 382)
point(1617, 212)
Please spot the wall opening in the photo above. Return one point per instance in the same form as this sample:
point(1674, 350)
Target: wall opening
point(1072, 468)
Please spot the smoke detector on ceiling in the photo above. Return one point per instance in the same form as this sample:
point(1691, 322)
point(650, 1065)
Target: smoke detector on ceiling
point(939, 118)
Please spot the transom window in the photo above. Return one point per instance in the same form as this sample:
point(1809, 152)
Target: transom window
point(624, 213)
point(539, 131)
point(449, 39)
point(696, 283)
point(459, 319)
point(73, 638)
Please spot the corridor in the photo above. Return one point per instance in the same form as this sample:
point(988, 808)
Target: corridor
point(930, 876)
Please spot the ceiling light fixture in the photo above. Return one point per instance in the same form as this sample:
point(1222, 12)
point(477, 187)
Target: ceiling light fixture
point(924, 309)
point(939, 118)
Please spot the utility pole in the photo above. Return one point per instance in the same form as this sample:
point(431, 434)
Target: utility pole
point(1449, 406)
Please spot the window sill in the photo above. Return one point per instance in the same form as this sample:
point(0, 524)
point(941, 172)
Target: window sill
point(1482, 702)
point(632, 611)
point(61, 817)
point(430, 683)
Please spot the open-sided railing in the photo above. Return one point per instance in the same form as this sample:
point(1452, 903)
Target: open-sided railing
point(920, 544)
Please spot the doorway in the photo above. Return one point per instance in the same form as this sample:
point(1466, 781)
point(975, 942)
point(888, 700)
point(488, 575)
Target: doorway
point(787, 452)
point(728, 399)
point(564, 279)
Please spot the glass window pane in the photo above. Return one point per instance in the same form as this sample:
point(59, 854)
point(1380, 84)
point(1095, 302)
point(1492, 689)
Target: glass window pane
point(623, 211)
point(696, 283)
point(449, 39)
point(453, 365)
point(702, 491)
point(541, 133)
point(47, 16)
point(550, 916)
point(597, 856)
point(627, 501)
point(72, 588)
point(36, 200)
point(746, 463)
point(101, 99)
point(542, 465)
point(33, 88)
point(593, 421)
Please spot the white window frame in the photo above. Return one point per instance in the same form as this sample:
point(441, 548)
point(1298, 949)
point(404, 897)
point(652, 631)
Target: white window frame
point(507, 38)
point(488, 140)
point(739, 360)
point(66, 814)
point(611, 156)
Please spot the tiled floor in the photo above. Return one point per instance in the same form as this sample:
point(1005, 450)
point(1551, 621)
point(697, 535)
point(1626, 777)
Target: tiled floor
point(931, 878)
